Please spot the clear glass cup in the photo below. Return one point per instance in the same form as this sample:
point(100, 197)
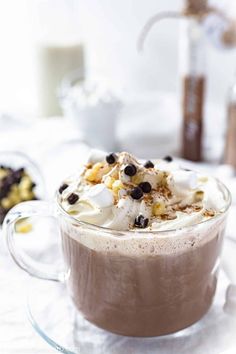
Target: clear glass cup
point(133, 283)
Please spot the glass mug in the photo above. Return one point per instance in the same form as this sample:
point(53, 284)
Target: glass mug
point(133, 283)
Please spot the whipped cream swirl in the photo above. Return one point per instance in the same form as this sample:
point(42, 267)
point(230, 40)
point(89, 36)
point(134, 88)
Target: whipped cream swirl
point(117, 191)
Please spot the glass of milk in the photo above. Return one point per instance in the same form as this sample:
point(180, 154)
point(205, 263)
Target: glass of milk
point(59, 49)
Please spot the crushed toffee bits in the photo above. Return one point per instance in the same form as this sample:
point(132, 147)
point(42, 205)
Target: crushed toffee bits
point(197, 207)
point(169, 216)
point(73, 198)
point(199, 195)
point(158, 208)
point(187, 208)
point(120, 192)
point(164, 191)
point(96, 172)
point(209, 213)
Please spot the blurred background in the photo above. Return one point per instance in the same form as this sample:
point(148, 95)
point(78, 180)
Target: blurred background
point(82, 73)
point(44, 42)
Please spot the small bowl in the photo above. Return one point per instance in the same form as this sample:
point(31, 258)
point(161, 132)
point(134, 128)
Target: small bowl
point(17, 160)
point(93, 106)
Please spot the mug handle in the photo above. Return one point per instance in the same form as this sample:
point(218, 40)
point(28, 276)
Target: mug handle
point(24, 261)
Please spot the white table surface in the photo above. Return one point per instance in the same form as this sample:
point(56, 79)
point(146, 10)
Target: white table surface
point(40, 142)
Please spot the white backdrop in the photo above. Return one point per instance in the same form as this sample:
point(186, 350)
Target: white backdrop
point(110, 29)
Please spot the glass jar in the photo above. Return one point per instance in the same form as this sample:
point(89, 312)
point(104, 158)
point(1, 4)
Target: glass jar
point(230, 146)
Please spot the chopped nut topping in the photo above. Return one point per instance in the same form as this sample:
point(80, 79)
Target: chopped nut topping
point(199, 195)
point(89, 165)
point(96, 172)
point(122, 183)
point(169, 216)
point(164, 191)
point(209, 213)
point(158, 208)
point(137, 179)
point(109, 182)
point(187, 208)
point(116, 186)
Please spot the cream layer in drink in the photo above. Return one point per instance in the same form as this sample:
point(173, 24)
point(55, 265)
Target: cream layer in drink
point(121, 193)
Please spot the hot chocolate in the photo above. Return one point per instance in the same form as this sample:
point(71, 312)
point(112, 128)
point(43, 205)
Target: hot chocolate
point(144, 257)
point(143, 294)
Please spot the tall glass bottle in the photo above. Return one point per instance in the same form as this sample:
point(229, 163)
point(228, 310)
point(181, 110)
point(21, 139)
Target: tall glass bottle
point(192, 67)
point(201, 23)
point(230, 146)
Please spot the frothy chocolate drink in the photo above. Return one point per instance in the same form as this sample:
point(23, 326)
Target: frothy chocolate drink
point(149, 266)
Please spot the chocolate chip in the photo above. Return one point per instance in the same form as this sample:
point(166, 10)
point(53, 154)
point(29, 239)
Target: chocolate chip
point(17, 179)
point(63, 187)
point(3, 213)
point(9, 180)
point(3, 193)
point(130, 170)
point(168, 158)
point(17, 175)
point(72, 199)
point(136, 193)
point(111, 158)
point(21, 170)
point(149, 164)
point(146, 187)
point(5, 185)
point(141, 222)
